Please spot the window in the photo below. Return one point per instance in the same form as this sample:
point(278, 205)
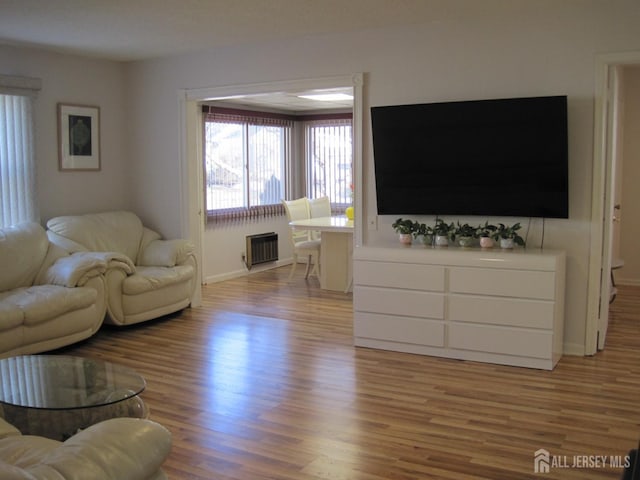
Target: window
point(329, 154)
point(246, 158)
point(249, 168)
point(17, 162)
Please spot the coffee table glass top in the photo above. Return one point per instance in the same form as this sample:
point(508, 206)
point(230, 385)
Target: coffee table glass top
point(60, 382)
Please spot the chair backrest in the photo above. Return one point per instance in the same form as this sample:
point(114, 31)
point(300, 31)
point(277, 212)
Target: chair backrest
point(319, 207)
point(297, 210)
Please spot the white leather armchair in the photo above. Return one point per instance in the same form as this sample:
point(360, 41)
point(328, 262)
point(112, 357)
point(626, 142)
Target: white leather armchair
point(147, 276)
point(48, 298)
point(116, 449)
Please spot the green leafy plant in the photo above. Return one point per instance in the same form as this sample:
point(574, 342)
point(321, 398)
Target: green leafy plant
point(509, 231)
point(441, 228)
point(424, 233)
point(465, 230)
point(405, 226)
point(486, 230)
point(423, 229)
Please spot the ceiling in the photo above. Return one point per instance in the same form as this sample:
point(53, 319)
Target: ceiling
point(126, 30)
point(291, 101)
point(135, 30)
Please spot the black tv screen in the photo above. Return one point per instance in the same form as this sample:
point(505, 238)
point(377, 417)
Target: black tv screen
point(502, 157)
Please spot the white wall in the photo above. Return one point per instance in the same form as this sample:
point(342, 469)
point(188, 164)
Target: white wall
point(76, 80)
point(522, 50)
point(630, 213)
point(224, 245)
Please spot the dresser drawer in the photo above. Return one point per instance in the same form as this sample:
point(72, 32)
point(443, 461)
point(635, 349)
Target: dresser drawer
point(399, 275)
point(501, 340)
point(410, 303)
point(505, 283)
point(501, 311)
point(416, 331)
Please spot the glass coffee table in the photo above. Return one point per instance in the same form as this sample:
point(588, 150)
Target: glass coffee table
point(55, 396)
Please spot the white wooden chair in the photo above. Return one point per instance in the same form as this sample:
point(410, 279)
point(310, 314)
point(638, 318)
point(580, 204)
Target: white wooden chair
point(301, 241)
point(319, 207)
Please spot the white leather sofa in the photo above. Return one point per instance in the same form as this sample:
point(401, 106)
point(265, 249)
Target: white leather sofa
point(48, 298)
point(148, 277)
point(116, 449)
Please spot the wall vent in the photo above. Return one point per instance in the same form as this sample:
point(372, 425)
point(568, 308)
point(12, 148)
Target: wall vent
point(261, 248)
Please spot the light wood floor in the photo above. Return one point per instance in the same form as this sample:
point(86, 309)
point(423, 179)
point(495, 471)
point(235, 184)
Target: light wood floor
point(262, 382)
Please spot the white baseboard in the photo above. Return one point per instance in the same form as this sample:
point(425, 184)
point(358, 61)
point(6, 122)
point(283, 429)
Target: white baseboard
point(574, 349)
point(243, 272)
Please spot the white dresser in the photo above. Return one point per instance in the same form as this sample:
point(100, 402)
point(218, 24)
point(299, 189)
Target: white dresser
point(494, 306)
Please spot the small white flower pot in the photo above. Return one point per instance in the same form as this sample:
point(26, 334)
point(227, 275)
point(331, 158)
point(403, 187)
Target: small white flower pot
point(442, 240)
point(506, 243)
point(427, 240)
point(465, 241)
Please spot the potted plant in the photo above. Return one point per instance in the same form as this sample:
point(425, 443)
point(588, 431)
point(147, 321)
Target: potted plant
point(425, 232)
point(485, 233)
point(444, 232)
point(404, 229)
point(465, 234)
point(507, 235)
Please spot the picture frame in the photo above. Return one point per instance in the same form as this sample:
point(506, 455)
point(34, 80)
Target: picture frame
point(79, 137)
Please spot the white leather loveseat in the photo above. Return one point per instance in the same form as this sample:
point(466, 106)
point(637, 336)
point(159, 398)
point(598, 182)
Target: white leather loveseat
point(116, 449)
point(148, 276)
point(48, 298)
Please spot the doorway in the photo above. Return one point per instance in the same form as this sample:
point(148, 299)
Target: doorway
point(607, 134)
point(193, 214)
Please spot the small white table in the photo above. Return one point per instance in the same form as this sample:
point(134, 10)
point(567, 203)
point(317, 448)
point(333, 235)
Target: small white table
point(336, 250)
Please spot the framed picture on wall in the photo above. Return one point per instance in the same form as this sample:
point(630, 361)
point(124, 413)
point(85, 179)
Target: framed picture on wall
point(79, 137)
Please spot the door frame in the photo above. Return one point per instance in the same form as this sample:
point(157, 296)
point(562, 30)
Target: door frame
point(602, 197)
point(193, 217)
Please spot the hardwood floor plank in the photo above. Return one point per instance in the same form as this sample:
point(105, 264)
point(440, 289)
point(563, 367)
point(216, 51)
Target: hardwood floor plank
point(263, 382)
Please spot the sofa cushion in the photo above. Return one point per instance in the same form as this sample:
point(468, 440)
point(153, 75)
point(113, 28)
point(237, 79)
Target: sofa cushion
point(37, 304)
point(154, 278)
point(102, 232)
point(26, 451)
point(23, 248)
point(165, 253)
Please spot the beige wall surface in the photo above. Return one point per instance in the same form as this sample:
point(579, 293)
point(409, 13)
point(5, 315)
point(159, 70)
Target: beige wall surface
point(524, 50)
point(630, 202)
point(84, 81)
point(521, 49)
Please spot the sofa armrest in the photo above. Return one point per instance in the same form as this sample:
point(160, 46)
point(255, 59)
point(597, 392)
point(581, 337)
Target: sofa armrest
point(73, 270)
point(76, 269)
point(119, 448)
point(165, 253)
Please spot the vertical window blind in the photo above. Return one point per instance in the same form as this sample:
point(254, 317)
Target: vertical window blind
point(246, 158)
point(17, 160)
point(329, 154)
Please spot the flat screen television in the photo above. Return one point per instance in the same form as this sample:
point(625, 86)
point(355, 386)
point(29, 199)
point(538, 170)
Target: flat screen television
point(500, 157)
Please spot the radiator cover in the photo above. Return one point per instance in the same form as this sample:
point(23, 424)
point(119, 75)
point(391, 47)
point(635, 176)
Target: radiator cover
point(261, 248)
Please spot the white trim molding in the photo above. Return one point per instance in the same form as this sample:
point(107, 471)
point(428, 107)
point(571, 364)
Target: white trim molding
point(15, 85)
